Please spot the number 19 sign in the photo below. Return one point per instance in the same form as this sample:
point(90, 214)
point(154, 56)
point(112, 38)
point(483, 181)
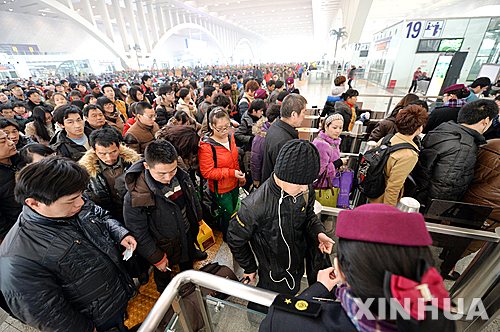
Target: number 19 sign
point(429, 29)
point(414, 28)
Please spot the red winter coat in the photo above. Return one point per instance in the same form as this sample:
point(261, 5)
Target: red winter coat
point(227, 163)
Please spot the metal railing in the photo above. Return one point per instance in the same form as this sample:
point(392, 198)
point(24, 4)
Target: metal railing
point(474, 234)
point(219, 284)
point(476, 281)
point(391, 98)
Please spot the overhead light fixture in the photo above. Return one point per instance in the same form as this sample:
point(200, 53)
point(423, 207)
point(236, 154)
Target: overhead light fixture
point(43, 14)
point(11, 10)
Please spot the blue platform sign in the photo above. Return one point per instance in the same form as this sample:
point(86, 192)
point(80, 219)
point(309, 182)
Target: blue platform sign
point(433, 29)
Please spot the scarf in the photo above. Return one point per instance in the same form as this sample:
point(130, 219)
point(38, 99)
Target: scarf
point(353, 116)
point(363, 324)
point(455, 103)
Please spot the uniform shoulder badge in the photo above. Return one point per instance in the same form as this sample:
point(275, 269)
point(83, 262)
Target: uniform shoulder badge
point(297, 306)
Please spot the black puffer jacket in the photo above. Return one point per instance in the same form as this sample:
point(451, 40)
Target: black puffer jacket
point(446, 164)
point(155, 221)
point(345, 110)
point(9, 208)
point(243, 134)
point(67, 274)
point(257, 224)
point(278, 134)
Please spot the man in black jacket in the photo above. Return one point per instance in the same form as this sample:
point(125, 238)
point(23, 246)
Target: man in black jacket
point(162, 211)
point(71, 142)
point(106, 162)
point(446, 163)
point(60, 267)
point(147, 89)
point(279, 223)
point(282, 130)
point(166, 104)
point(9, 208)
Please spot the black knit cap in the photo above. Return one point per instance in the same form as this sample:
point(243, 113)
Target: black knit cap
point(297, 162)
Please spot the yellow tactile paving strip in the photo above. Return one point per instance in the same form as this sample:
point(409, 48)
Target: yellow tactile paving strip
point(142, 303)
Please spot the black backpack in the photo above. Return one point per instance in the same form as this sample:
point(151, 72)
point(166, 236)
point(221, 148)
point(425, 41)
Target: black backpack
point(371, 174)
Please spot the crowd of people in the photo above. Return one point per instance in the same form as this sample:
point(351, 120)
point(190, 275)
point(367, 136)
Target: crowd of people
point(90, 169)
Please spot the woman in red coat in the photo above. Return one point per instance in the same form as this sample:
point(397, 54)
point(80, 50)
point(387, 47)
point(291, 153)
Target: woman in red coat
point(218, 158)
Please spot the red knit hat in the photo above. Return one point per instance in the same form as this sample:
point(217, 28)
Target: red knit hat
point(382, 223)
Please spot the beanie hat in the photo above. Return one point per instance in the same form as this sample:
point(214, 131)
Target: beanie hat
point(297, 162)
point(382, 223)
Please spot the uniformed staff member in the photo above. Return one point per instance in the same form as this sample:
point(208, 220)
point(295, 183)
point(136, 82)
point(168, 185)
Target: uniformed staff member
point(278, 221)
point(382, 253)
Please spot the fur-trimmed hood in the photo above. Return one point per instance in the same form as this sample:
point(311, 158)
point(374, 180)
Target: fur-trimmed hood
point(338, 90)
point(260, 128)
point(90, 161)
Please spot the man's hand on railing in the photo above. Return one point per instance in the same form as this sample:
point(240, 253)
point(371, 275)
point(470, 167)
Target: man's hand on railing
point(249, 278)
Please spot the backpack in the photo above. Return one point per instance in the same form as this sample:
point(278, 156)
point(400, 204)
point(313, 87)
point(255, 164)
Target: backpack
point(245, 100)
point(371, 171)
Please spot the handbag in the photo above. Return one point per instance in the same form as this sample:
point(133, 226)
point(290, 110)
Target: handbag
point(211, 209)
point(346, 179)
point(205, 237)
point(327, 196)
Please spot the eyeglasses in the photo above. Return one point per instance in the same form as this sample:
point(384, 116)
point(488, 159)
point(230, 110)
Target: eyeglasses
point(151, 117)
point(223, 129)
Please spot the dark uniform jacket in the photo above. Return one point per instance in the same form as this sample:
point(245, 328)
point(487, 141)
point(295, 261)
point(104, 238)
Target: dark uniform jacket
point(315, 311)
point(257, 224)
point(446, 164)
point(156, 221)
point(278, 134)
point(65, 274)
point(331, 316)
point(9, 208)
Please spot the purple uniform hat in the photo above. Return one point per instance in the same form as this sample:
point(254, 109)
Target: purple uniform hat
point(290, 80)
point(382, 223)
point(454, 87)
point(260, 94)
